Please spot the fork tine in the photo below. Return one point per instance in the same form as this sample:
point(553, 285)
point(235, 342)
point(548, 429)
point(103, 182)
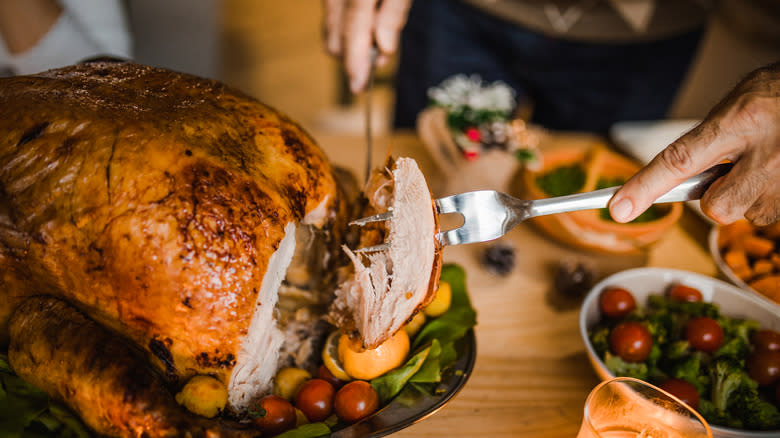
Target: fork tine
point(375, 248)
point(375, 218)
point(447, 204)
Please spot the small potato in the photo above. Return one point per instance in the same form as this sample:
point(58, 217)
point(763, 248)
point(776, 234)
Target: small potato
point(413, 327)
point(289, 380)
point(441, 302)
point(203, 395)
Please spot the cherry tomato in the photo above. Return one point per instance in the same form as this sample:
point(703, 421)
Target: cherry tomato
point(273, 415)
point(631, 341)
point(356, 400)
point(616, 302)
point(683, 390)
point(704, 334)
point(315, 399)
point(766, 340)
point(324, 373)
point(681, 292)
point(764, 366)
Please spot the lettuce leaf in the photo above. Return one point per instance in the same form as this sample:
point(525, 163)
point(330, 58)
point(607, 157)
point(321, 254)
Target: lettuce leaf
point(26, 411)
point(458, 319)
point(390, 384)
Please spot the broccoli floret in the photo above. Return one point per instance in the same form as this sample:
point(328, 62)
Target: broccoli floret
point(599, 338)
point(754, 412)
point(728, 378)
point(676, 350)
point(735, 349)
point(692, 309)
point(715, 416)
point(619, 367)
point(738, 328)
point(691, 371)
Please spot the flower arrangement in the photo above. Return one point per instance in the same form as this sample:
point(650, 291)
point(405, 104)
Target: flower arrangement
point(479, 117)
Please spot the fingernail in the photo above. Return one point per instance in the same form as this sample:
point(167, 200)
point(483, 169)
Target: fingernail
point(356, 85)
point(622, 210)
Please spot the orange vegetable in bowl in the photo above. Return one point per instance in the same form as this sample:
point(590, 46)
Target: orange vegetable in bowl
point(594, 229)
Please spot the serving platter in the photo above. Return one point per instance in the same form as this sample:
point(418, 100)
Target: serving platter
point(412, 405)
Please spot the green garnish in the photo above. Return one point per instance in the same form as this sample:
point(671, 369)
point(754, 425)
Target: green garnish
point(562, 181)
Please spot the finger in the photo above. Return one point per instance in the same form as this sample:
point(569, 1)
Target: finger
point(382, 60)
point(333, 26)
point(359, 26)
point(743, 192)
point(765, 211)
point(390, 19)
point(694, 152)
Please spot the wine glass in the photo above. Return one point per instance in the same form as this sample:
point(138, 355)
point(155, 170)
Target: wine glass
point(624, 407)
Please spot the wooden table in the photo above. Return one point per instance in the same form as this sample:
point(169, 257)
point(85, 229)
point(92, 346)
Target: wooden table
point(532, 374)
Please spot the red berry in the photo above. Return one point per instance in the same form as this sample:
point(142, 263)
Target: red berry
point(473, 134)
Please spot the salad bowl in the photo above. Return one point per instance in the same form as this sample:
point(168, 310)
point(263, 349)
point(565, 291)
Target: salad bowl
point(642, 282)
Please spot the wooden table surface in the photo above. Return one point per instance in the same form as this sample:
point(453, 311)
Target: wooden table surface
point(532, 374)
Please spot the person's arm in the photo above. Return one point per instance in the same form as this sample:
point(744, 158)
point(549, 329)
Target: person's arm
point(743, 128)
point(352, 26)
point(24, 22)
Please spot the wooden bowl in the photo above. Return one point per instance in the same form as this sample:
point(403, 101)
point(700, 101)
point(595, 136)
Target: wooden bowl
point(587, 229)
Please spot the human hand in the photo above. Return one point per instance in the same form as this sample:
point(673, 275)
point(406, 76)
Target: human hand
point(351, 27)
point(743, 128)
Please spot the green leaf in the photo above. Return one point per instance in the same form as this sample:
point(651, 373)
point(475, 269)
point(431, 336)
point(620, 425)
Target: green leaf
point(458, 319)
point(430, 371)
point(448, 355)
point(390, 384)
point(524, 155)
point(311, 430)
point(73, 427)
point(5, 365)
point(619, 367)
point(49, 421)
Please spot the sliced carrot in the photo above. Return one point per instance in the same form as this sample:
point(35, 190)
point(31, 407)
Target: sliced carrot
point(735, 259)
point(768, 285)
point(762, 267)
point(731, 232)
point(756, 246)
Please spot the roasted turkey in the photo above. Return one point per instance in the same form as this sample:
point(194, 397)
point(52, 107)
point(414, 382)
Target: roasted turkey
point(193, 225)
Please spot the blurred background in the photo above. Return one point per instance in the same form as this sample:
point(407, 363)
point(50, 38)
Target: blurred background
point(272, 50)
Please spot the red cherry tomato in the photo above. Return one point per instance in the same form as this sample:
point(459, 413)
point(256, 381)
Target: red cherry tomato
point(764, 366)
point(704, 334)
point(766, 340)
point(356, 400)
point(683, 390)
point(616, 302)
point(315, 399)
point(681, 292)
point(324, 373)
point(631, 341)
point(273, 415)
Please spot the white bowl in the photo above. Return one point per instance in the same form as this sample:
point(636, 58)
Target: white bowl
point(641, 282)
point(726, 270)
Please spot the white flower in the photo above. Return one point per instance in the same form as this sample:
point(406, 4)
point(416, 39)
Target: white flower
point(462, 91)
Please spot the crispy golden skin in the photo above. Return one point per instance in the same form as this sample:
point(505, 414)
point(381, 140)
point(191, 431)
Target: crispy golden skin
point(152, 201)
point(72, 358)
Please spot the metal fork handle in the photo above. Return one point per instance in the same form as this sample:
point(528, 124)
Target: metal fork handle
point(688, 190)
